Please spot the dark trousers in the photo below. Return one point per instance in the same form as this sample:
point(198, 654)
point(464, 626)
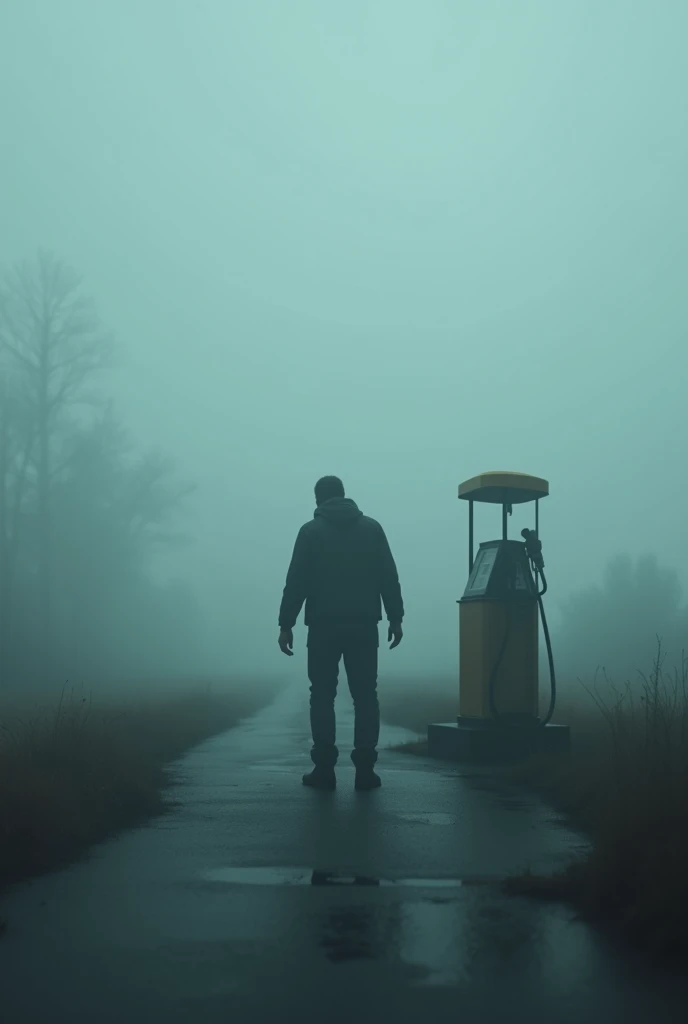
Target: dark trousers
point(358, 645)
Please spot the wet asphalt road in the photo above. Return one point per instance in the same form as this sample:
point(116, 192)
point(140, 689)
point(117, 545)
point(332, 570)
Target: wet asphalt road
point(258, 900)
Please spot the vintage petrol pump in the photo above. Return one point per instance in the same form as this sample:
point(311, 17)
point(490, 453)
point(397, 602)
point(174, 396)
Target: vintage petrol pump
point(498, 636)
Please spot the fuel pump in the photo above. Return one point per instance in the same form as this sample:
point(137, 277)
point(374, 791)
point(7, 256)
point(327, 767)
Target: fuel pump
point(499, 616)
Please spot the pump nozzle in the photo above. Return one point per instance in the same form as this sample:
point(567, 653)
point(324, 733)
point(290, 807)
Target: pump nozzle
point(533, 548)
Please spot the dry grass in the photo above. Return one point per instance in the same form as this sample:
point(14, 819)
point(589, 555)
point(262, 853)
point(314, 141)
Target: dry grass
point(575, 782)
point(418, 747)
point(414, 707)
point(625, 783)
point(78, 774)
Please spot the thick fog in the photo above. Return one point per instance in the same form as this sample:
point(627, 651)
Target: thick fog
point(401, 242)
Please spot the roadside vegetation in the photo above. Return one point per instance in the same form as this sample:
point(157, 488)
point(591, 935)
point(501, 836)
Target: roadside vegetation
point(82, 771)
point(625, 781)
point(412, 707)
point(90, 517)
point(625, 784)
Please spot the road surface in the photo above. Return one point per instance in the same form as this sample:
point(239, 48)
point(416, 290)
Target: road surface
point(256, 899)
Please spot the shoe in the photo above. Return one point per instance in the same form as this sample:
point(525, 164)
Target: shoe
point(320, 778)
point(366, 778)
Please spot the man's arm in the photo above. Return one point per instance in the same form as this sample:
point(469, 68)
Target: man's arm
point(296, 588)
point(390, 588)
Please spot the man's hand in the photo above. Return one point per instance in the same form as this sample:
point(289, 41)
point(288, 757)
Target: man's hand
point(286, 641)
point(394, 634)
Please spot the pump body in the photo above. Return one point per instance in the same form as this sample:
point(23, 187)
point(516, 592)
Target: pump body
point(499, 615)
point(500, 600)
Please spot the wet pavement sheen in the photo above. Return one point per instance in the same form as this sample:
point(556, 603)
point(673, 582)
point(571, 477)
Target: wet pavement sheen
point(256, 899)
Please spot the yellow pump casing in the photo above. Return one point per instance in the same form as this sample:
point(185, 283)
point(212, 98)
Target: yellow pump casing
point(481, 631)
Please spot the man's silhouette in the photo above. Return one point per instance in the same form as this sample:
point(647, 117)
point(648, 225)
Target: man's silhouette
point(343, 569)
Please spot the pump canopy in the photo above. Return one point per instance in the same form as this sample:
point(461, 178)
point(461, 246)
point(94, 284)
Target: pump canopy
point(504, 488)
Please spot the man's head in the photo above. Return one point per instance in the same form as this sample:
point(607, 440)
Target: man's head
point(328, 487)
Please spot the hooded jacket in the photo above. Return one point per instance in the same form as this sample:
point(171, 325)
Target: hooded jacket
point(342, 568)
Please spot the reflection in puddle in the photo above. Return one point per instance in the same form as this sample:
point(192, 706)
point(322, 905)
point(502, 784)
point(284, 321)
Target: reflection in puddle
point(322, 878)
point(430, 819)
point(431, 883)
point(351, 933)
point(306, 876)
point(419, 937)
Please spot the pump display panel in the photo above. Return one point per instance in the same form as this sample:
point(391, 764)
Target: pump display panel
point(482, 570)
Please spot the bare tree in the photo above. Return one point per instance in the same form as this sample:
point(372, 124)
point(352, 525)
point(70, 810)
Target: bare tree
point(52, 345)
point(112, 508)
point(153, 494)
point(17, 438)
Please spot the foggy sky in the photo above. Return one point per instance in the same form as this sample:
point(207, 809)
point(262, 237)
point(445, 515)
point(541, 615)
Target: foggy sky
point(402, 242)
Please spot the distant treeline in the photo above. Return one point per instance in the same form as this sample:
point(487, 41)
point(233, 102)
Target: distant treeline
point(614, 626)
point(82, 512)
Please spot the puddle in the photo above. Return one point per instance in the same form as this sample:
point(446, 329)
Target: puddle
point(306, 876)
point(430, 883)
point(430, 819)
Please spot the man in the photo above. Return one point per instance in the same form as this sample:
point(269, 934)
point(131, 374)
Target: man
point(342, 568)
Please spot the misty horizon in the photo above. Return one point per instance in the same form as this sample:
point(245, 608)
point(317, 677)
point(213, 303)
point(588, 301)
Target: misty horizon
point(404, 244)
